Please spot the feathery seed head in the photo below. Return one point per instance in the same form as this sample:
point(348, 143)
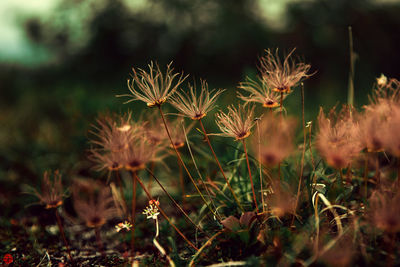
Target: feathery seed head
point(391, 138)
point(153, 87)
point(236, 123)
point(113, 134)
point(282, 76)
point(277, 136)
point(94, 204)
point(52, 192)
point(260, 93)
point(384, 211)
point(193, 106)
point(337, 140)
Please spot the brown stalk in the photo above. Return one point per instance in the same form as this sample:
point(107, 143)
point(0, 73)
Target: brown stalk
point(134, 175)
point(61, 228)
point(164, 214)
point(175, 203)
point(182, 183)
point(251, 179)
point(99, 243)
point(259, 160)
point(181, 160)
point(149, 183)
point(219, 165)
point(121, 189)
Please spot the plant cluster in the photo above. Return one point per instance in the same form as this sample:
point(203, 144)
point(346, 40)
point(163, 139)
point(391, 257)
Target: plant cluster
point(276, 202)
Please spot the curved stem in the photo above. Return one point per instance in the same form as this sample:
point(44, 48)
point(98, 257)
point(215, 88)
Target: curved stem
point(181, 161)
point(251, 179)
point(181, 181)
point(219, 165)
point(164, 214)
point(121, 191)
point(259, 160)
point(149, 183)
point(134, 175)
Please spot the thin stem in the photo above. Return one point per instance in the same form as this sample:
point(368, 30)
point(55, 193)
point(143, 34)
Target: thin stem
point(149, 183)
point(310, 146)
point(302, 152)
point(180, 159)
point(134, 175)
point(259, 160)
point(121, 191)
point(219, 165)
point(175, 203)
point(281, 104)
point(200, 176)
point(251, 179)
point(182, 184)
point(61, 228)
point(164, 214)
point(99, 243)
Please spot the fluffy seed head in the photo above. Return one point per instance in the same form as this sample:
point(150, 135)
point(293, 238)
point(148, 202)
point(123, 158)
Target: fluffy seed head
point(337, 139)
point(153, 87)
point(112, 136)
point(236, 123)
point(277, 136)
point(384, 211)
point(93, 203)
point(282, 76)
point(51, 194)
point(260, 92)
point(196, 107)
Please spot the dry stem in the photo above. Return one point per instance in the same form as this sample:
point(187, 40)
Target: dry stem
point(219, 165)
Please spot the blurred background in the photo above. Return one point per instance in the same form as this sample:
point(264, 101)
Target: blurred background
point(63, 61)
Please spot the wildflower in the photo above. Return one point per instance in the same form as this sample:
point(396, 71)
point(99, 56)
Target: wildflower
point(260, 92)
point(281, 77)
point(384, 211)
point(151, 211)
point(276, 139)
point(139, 152)
point(337, 140)
point(372, 128)
point(123, 225)
point(93, 203)
point(52, 192)
point(153, 87)
point(236, 123)
point(113, 136)
point(196, 107)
